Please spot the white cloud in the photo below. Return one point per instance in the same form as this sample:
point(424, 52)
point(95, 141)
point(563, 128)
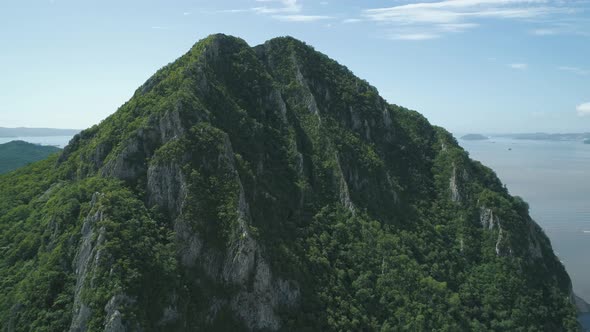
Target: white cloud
point(575, 70)
point(301, 18)
point(456, 27)
point(233, 11)
point(452, 16)
point(583, 109)
point(282, 6)
point(573, 26)
point(282, 10)
point(413, 36)
point(519, 66)
point(351, 20)
point(186, 13)
point(544, 32)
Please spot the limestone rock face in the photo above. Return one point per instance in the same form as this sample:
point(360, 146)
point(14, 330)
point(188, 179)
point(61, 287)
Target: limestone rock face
point(86, 260)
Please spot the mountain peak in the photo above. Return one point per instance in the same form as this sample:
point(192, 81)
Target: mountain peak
point(269, 188)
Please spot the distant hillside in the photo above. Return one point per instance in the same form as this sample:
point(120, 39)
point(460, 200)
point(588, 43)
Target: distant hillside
point(16, 154)
point(474, 137)
point(549, 137)
point(36, 132)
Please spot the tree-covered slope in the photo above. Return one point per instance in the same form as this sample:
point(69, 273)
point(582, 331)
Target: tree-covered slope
point(16, 154)
point(268, 188)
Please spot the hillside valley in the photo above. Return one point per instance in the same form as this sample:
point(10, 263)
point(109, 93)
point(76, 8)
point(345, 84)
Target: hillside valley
point(16, 154)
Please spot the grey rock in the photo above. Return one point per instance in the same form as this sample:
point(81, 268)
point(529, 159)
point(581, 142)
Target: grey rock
point(114, 321)
point(490, 221)
point(166, 187)
point(84, 262)
point(454, 186)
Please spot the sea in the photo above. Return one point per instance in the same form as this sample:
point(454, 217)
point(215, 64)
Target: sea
point(554, 178)
point(58, 141)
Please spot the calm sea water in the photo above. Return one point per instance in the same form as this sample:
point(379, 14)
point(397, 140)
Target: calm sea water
point(59, 141)
point(554, 178)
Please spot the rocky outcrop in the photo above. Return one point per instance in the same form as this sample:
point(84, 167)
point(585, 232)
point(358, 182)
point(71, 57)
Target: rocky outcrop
point(88, 258)
point(535, 246)
point(85, 261)
point(130, 163)
point(454, 186)
point(490, 221)
point(241, 265)
point(166, 187)
point(114, 321)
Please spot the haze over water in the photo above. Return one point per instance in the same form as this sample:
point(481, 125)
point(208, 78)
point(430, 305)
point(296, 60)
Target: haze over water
point(553, 178)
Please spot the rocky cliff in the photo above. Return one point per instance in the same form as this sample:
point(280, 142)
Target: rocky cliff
point(268, 188)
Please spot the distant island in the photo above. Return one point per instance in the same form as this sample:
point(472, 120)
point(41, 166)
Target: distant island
point(474, 137)
point(36, 132)
point(585, 137)
point(17, 154)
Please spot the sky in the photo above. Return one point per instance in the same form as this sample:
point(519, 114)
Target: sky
point(485, 66)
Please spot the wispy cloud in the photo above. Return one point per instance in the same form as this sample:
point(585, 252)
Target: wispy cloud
point(451, 16)
point(233, 11)
point(301, 18)
point(570, 26)
point(518, 66)
point(352, 20)
point(413, 36)
point(427, 32)
point(583, 109)
point(282, 10)
point(575, 70)
point(545, 32)
point(278, 6)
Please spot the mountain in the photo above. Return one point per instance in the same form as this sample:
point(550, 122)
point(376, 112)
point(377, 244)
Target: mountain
point(268, 188)
point(474, 137)
point(36, 132)
point(16, 154)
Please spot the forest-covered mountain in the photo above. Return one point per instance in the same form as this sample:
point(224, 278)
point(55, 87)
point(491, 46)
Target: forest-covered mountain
point(268, 188)
point(16, 154)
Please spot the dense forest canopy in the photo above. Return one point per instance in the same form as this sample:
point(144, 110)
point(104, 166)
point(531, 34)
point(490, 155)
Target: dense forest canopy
point(16, 154)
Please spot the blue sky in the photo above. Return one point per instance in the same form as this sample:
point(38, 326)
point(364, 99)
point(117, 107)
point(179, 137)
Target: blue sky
point(467, 65)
